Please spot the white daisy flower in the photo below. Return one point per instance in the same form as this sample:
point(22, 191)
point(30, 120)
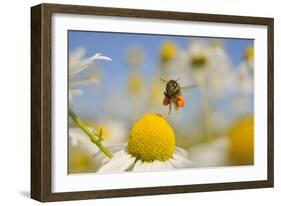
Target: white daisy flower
point(113, 133)
point(245, 78)
point(211, 154)
point(151, 147)
point(77, 64)
point(220, 75)
point(245, 84)
point(211, 66)
point(198, 54)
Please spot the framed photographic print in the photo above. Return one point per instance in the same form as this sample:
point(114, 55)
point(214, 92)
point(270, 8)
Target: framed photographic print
point(130, 102)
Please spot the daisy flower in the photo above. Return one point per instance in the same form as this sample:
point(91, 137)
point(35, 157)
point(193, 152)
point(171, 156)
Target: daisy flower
point(243, 103)
point(211, 65)
point(220, 75)
point(135, 57)
point(82, 148)
point(113, 133)
point(211, 154)
point(245, 73)
point(168, 51)
point(236, 148)
point(77, 64)
point(241, 136)
point(151, 147)
point(199, 54)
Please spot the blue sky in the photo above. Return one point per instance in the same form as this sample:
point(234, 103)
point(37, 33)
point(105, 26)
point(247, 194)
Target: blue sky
point(115, 45)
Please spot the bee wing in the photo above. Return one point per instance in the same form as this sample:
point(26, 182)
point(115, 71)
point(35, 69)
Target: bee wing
point(186, 88)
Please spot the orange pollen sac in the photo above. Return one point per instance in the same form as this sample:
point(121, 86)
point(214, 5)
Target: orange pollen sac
point(166, 101)
point(180, 101)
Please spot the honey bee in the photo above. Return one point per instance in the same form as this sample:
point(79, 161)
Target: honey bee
point(173, 94)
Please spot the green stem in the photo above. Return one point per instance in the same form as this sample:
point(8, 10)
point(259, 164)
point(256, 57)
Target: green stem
point(92, 137)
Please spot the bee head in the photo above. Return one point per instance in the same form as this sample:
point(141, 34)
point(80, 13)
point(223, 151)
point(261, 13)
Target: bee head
point(172, 84)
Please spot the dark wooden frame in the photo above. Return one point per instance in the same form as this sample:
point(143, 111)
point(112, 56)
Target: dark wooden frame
point(41, 101)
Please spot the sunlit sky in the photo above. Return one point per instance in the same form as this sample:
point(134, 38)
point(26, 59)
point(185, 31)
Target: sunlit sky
point(115, 72)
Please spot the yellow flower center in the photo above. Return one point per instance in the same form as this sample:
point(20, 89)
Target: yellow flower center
point(135, 56)
point(152, 138)
point(216, 43)
point(198, 61)
point(249, 54)
point(168, 51)
point(242, 141)
point(79, 161)
point(135, 83)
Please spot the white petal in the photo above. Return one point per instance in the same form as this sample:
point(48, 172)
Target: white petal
point(179, 161)
point(141, 166)
point(90, 79)
point(76, 56)
point(75, 91)
point(79, 139)
point(99, 56)
point(159, 165)
point(83, 64)
point(121, 161)
point(118, 133)
point(72, 92)
point(74, 141)
point(152, 166)
point(181, 151)
point(101, 157)
point(211, 154)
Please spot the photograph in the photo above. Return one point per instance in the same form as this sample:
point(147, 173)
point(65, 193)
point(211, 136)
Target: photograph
point(141, 102)
point(132, 102)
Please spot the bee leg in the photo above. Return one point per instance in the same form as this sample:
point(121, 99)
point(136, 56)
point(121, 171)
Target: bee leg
point(170, 108)
point(176, 107)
